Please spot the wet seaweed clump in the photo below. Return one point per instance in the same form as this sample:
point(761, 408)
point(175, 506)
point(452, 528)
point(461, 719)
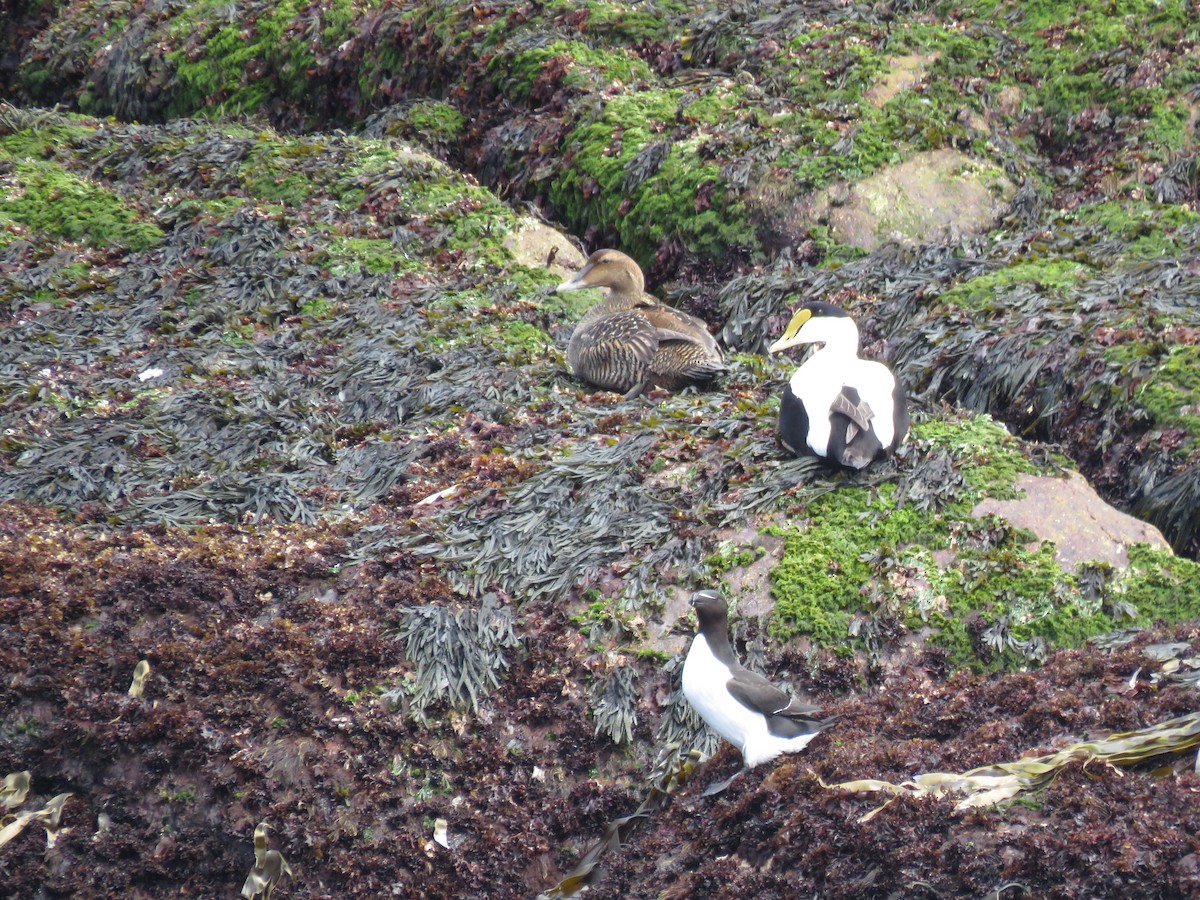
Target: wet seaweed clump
point(557, 529)
point(236, 365)
point(615, 713)
point(459, 655)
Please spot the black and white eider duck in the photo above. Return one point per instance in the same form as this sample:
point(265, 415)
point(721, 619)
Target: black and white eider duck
point(848, 410)
point(743, 707)
point(631, 341)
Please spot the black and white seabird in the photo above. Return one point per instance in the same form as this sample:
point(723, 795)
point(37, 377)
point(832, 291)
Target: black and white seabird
point(743, 707)
point(631, 340)
point(848, 410)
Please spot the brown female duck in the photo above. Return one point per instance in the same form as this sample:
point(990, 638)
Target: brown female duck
point(631, 341)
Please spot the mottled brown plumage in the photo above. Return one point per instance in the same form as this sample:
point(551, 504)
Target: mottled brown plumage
point(631, 341)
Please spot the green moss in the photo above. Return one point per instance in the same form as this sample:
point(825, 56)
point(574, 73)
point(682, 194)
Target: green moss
point(579, 65)
point(628, 24)
point(605, 623)
point(341, 18)
point(832, 69)
point(855, 563)
point(984, 453)
point(828, 563)
point(596, 189)
point(431, 123)
point(1147, 230)
point(436, 119)
point(566, 307)
point(47, 198)
point(522, 343)
point(1171, 393)
point(829, 131)
point(1072, 53)
point(372, 254)
point(317, 308)
point(446, 210)
point(42, 142)
point(291, 188)
point(472, 217)
point(1052, 278)
point(218, 208)
point(1070, 63)
point(218, 76)
point(858, 555)
point(243, 64)
point(999, 600)
point(1019, 594)
point(1160, 586)
point(1039, 601)
point(728, 556)
point(847, 49)
point(1166, 385)
point(921, 121)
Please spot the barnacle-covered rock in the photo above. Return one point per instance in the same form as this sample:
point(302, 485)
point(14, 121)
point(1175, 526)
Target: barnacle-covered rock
point(937, 195)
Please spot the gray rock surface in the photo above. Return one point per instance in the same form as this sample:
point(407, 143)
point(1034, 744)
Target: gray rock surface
point(1069, 512)
point(938, 195)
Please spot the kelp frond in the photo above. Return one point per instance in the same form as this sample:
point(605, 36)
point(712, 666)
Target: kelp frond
point(987, 785)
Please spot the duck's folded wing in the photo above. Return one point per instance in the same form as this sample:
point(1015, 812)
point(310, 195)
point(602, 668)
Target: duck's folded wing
point(686, 359)
point(786, 716)
point(615, 352)
point(682, 327)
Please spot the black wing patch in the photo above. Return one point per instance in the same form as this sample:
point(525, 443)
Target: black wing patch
point(793, 423)
point(786, 716)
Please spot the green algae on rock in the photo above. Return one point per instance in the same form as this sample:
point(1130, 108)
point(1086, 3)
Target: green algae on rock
point(238, 292)
point(862, 561)
point(44, 197)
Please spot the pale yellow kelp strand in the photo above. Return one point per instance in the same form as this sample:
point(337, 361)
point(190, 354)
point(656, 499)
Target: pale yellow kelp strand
point(987, 785)
point(138, 685)
point(269, 867)
point(12, 794)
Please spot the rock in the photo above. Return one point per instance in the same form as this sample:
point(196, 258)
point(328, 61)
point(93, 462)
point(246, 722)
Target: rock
point(750, 584)
point(938, 195)
point(903, 73)
point(1069, 512)
point(539, 245)
point(1008, 100)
